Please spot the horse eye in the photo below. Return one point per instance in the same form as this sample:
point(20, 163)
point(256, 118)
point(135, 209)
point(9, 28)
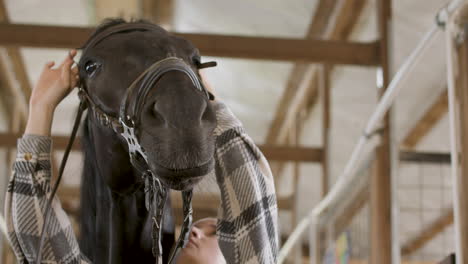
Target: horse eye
point(91, 67)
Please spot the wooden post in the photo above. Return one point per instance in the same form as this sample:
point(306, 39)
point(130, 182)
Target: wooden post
point(295, 140)
point(380, 191)
point(160, 12)
point(325, 92)
point(458, 104)
point(8, 257)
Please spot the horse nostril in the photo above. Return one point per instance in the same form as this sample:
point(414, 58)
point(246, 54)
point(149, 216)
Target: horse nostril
point(156, 112)
point(205, 113)
point(155, 109)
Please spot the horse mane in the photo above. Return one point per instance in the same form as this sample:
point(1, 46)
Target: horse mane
point(89, 180)
point(110, 22)
point(93, 188)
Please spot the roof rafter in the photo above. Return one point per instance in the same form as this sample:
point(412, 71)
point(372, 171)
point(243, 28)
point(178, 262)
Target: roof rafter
point(13, 72)
point(428, 233)
point(317, 28)
point(431, 117)
point(301, 93)
point(302, 85)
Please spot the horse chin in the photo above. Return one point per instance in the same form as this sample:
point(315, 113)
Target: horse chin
point(182, 179)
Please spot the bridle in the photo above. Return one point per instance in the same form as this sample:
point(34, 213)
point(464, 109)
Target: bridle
point(127, 126)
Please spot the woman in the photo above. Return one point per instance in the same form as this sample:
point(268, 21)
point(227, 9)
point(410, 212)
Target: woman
point(202, 247)
point(246, 229)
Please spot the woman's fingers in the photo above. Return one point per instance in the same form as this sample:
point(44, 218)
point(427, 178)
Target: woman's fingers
point(73, 77)
point(65, 73)
point(74, 70)
point(69, 59)
point(66, 70)
point(49, 65)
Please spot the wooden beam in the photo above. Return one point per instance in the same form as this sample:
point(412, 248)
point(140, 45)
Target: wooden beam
point(326, 108)
point(355, 261)
point(458, 97)
point(427, 233)
point(294, 140)
point(321, 19)
point(432, 116)
point(425, 157)
point(301, 92)
point(450, 259)
point(303, 154)
point(13, 73)
point(317, 28)
point(8, 254)
point(16, 59)
point(292, 153)
point(263, 48)
point(199, 201)
point(381, 180)
point(302, 86)
point(9, 82)
point(160, 12)
point(345, 217)
point(116, 8)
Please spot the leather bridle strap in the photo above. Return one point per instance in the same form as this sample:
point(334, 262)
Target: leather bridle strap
point(148, 78)
point(136, 95)
point(186, 225)
point(118, 29)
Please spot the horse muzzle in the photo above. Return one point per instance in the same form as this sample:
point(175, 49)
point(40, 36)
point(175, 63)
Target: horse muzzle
point(181, 179)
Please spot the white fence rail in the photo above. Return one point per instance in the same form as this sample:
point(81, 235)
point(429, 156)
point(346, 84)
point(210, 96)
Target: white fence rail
point(366, 144)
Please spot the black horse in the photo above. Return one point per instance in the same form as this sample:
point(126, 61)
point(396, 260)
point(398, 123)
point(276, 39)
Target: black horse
point(177, 124)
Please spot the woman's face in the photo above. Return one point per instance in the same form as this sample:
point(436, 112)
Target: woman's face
point(202, 246)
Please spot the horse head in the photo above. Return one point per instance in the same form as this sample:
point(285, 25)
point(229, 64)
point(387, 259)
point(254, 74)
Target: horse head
point(175, 121)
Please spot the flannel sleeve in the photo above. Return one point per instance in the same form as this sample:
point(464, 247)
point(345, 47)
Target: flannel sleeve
point(25, 204)
point(248, 218)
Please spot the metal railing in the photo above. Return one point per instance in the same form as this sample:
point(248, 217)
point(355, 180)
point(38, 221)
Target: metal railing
point(365, 145)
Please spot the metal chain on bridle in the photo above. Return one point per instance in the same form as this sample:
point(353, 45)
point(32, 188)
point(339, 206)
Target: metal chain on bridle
point(126, 125)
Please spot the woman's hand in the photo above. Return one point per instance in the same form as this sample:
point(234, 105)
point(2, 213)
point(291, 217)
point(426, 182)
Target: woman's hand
point(53, 85)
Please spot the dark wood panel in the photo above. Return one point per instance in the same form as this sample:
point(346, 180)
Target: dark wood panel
point(310, 50)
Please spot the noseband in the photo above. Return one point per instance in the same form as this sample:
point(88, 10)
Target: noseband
point(127, 126)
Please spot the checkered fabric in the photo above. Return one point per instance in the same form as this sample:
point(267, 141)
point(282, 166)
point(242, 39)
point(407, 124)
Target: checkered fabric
point(25, 206)
point(247, 219)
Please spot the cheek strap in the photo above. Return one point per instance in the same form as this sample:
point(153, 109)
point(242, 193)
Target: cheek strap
point(155, 199)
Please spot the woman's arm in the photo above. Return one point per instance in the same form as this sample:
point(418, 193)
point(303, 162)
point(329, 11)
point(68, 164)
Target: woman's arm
point(53, 85)
point(29, 185)
point(247, 225)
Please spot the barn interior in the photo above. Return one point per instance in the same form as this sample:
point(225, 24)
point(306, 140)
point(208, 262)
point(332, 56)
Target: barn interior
point(303, 77)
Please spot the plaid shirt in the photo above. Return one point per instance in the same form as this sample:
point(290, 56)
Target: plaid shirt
point(247, 219)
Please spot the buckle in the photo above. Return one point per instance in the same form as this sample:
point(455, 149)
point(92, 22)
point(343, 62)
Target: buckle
point(81, 94)
point(106, 119)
